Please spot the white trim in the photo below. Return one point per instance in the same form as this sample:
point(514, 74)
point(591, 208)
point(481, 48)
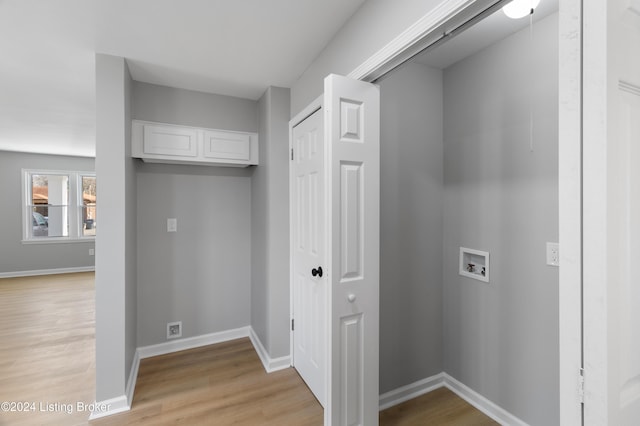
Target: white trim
point(270, 365)
point(410, 39)
point(192, 342)
point(121, 403)
point(421, 387)
point(73, 205)
point(570, 209)
point(113, 406)
point(492, 410)
point(36, 272)
point(304, 114)
point(410, 391)
point(60, 240)
point(133, 378)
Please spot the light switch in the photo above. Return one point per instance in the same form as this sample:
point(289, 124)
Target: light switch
point(172, 224)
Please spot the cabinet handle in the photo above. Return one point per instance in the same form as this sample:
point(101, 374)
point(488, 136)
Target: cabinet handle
point(317, 272)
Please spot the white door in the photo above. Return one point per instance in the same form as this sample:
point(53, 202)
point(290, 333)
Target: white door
point(352, 128)
point(624, 275)
point(308, 247)
point(612, 213)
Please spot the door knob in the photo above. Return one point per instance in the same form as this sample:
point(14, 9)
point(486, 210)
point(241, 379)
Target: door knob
point(317, 272)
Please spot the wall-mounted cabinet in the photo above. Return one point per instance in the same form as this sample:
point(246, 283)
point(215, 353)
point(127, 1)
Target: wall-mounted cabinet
point(174, 144)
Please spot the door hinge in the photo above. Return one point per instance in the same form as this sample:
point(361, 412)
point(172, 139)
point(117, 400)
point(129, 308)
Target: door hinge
point(292, 325)
point(292, 154)
point(581, 385)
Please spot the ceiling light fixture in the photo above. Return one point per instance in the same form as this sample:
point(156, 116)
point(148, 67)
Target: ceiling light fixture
point(520, 8)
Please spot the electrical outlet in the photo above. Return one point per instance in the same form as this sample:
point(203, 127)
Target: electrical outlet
point(553, 254)
point(92, 252)
point(172, 224)
point(174, 330)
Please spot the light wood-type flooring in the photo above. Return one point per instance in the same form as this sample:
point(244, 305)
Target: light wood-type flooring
point(47, 348)
point(47, 361)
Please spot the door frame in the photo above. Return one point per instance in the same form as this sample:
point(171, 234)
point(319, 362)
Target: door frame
point(570, 172)
point(570, 167)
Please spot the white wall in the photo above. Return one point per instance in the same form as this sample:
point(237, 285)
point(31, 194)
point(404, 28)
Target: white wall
point(411, 196)
point(200, 275)
point(270, 225)
point(16, 257)
point(501, 337)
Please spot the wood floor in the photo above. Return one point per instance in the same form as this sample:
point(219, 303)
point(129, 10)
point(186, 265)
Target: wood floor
point(440, 407)
point(47, 360)
point(47, 348)
point(223, 384)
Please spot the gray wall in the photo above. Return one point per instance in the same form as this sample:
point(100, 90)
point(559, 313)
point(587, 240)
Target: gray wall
point(131, 237)
point(270, 225)
point(15, 256)
point(501, 338)
point(411, 196)
point(189, 108)
point(115, 242)
point(200, 275)
point(375, 24)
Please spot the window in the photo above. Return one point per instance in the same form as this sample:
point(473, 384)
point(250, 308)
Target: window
point(59, 206)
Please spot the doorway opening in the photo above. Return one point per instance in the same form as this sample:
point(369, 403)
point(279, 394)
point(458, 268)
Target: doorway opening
point(469, 158)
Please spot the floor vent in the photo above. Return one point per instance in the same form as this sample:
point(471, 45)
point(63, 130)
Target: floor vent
point(174, 330)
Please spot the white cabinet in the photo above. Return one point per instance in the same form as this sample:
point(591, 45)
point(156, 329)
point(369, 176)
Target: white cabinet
point(175, 141)
point(174, 144)
point(227, 145)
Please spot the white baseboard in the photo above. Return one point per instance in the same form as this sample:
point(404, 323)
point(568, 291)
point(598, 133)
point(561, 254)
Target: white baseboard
point(413, 390)
point(34, 273)
point(270, 365)
point(133, 377)
point(410, 391)
point(481, 403)
point(121, 403)
point(192, 342)
point(109, 407)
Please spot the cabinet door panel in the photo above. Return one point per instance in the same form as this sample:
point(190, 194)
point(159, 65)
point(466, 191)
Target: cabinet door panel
point(170, 140)
point(227, 145)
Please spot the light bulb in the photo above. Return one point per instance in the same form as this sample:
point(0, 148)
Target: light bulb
point(520, 8)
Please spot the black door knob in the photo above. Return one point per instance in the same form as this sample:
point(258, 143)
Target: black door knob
point(317, 272)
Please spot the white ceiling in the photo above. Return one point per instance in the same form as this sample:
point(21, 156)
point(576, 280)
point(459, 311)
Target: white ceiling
point(236, 48)
point(483, 34)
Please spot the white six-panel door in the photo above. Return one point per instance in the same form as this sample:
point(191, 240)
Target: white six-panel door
point(335, 220)
point(308, 245)
point(352, 114)
point(611, 159)
point(624, 220)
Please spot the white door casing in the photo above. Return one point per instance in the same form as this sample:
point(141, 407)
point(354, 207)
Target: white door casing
point(611, 212)
point(352, 133)
point(309, 290)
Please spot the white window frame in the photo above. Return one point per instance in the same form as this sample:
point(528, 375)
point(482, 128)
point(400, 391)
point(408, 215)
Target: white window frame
point(74, 207)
